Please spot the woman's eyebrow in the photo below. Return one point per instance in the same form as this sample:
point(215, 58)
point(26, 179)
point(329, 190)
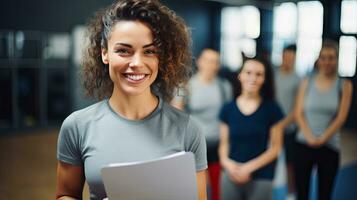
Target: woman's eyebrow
point(148, 45)
point(130, 46)
point(123, 44)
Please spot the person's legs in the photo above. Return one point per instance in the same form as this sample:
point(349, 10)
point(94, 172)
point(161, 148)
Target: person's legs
point(230, 190)
point(260, 189)
point(327, 168)
point(214, 170)
point(289, 146)
point(303, 166)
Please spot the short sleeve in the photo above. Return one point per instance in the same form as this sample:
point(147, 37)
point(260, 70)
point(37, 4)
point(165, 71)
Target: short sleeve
point(68, 145)
point(276, 114)
point(195, 142)
point(223, 114)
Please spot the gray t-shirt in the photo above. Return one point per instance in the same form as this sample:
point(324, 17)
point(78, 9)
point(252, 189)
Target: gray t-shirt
point(320, 108)
point(97, 136)
point(204, 101)
point(286, 87)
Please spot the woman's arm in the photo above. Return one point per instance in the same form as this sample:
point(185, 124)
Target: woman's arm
point(342, 113)
point(299, 114)
point(223, 150)
point(70, 181)
point(201, 185)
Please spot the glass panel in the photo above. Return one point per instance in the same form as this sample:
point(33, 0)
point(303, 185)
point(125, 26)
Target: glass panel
point(349, 16)
point(239, 27)
point(251, 21)
point(57, 94)
point(285, 27)
point(285, 20)
point(249, 47)
point(231, 54)
point(28, 95)
point(307, 53)
point(6, 97)
point(310, 25)
point(310, 19)
point(231, 18)
point(347, 56)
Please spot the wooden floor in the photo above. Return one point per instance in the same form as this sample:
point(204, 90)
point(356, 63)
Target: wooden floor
point(28, 164)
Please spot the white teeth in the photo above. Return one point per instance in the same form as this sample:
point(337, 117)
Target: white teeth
point(135, 77)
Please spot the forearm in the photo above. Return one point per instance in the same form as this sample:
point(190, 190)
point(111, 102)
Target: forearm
point(288, 119)
point(223, 154)
point(343, 110)
point(305, 129)
point(223, 149)
point(332, 129)
point(263, 159)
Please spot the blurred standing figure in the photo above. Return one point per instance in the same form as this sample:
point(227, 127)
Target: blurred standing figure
point(322, 106)
point(251, 135)
point(205, 95)
point(286, 87)
point(138, 53)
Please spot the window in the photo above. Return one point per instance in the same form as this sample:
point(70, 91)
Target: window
point(300, 23)
point(284, 29)
point(349, 16)
point(348, 41)
point(240, 26)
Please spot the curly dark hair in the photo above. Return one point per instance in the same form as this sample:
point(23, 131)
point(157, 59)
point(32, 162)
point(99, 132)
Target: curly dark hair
point(267, 91)
point(171, 37)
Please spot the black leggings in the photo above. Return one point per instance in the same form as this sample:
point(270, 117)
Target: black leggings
point(327, 162)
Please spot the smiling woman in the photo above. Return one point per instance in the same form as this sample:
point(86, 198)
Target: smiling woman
point(138, 53)
point(132, 59)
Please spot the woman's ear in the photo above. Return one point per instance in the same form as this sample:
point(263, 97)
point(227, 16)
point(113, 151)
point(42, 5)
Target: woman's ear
point(105, 56)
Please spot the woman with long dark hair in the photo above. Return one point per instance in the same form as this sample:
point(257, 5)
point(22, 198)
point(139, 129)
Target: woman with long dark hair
point(250, 135)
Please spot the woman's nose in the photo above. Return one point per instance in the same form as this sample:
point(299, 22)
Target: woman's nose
point(136, 61)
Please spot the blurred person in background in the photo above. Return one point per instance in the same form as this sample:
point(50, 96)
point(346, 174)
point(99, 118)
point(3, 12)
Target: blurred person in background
point(138, 53)
point(251, 135)
point(205, 94)
point(322, 107)
point(286, 87)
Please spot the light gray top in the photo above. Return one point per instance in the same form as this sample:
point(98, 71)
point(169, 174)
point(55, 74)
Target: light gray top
point(286, 87)
point(320, 109)
point(97, 136)
point(204, 101)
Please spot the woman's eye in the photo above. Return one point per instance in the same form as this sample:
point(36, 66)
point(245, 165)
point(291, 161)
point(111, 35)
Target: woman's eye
point(150, 51)
point(122, 51)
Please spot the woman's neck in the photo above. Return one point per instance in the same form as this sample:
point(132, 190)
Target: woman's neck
point(324, 76)
point(250, 96)
point(248, 103)
point(133, 107)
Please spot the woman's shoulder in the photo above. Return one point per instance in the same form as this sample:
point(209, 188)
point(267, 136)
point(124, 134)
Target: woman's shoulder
point(87, 114)
point(174, 114)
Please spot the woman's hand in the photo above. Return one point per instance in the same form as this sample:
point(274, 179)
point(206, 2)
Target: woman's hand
point(312, 141)
point(232, 168)
point(244, 174)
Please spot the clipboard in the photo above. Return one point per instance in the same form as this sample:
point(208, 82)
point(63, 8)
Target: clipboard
point(171, 177)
